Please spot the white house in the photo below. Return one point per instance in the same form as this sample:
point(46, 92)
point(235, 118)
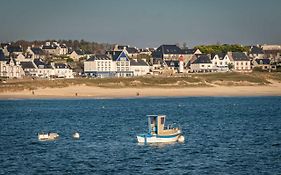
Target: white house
point(61, 70)
point(100, 66)
point(139, 67)
point(76, 55)
point(256, 52)
point(10, 68)
point(55, 48)
point(263, 64)
point(240, 61)
point(29, 68)
point(220, 62)
point(34, 53)
point(202, 64)
point(44, 70)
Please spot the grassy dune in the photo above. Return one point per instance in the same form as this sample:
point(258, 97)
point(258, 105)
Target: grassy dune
point(184, 80)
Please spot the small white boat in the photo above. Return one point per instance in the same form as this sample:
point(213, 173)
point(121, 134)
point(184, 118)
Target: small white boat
point(159, 133)
point(48, 136)
point(76, 135)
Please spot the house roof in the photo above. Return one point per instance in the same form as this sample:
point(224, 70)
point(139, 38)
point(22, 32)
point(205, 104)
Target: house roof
point(40, 63)
point(220, 55)
point(27, 65)
point(4, 44)
point(114, 54)
point(132, 50)
point(263, 61)
point(121, 47)
point(138, 63)
point(37, 51)
point(202, 59)
point(256, 50)
point(189, 51)
point(60, 66)
point(79, 52)
point(239, 56)
point(167, 49)
point(12, 48)
point(98, 57)
point(49, 47)
point(2, 56)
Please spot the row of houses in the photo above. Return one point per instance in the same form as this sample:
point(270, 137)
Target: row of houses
point(126, 61)
point(192, 60)
point(12, 68)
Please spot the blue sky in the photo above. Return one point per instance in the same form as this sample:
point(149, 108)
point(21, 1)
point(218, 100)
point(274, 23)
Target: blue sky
point(143, 23)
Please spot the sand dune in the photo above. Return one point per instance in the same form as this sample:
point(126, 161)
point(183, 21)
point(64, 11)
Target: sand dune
point(83, 91)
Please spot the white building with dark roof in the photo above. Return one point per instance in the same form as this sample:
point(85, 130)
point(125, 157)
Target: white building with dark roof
point(29, 68)
point(55, 48)
point(34, 53)
point(139, 67)
point(10, 68)
point(220, 62)
point(202, 63)
point(62, 70)
point(240, 61)
point(100, 66)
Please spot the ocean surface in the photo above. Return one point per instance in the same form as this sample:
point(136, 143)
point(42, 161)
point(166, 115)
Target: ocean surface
point(224, 135)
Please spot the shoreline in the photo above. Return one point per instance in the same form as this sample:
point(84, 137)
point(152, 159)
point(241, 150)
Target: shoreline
point(92, 92)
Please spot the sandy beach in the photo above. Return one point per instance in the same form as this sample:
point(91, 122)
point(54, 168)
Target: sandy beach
point(82, 91)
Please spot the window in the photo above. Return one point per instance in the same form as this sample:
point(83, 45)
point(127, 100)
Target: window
point(162, 120)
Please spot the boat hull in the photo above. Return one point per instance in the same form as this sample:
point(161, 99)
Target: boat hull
point(146, 138)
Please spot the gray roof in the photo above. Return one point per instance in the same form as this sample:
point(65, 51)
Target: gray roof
point(98, 57)
point(41, 64)
point(239, 56)
point(12, 48)
point(189, 51)
point(138, 63)
point(2, 56)
point(256, 50)
point(60, 66)
point(27, 65)
point(49, 47)
point(202, 59)
point(220, 55)
point(37, 51)
point(132, 50)
point(263, 61)
point(167, 49)
point(114, 54)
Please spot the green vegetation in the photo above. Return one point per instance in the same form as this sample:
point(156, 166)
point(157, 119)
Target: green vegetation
point(185, 80)
point(210, 49)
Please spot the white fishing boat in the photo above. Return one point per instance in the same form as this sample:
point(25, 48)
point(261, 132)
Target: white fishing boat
point(159, 133)
point(48, 136)
point(75, 135)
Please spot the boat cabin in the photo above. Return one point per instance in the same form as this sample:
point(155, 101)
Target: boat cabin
point(156, 125)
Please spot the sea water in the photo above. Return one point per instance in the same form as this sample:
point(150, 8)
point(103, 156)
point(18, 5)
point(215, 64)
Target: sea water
point(224, 135)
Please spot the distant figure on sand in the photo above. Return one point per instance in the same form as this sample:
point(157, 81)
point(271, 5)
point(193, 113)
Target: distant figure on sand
point(32, 92)
point(138, 94)
point(76, 94)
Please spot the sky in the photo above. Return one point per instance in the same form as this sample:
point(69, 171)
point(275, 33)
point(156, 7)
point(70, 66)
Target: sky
point(143, 23)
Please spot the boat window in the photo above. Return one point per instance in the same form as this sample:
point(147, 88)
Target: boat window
point(162, 120)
